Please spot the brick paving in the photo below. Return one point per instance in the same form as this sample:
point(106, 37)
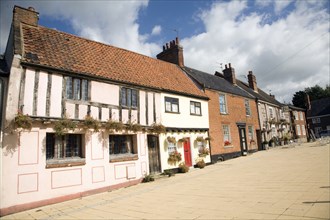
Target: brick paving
point(280, 183)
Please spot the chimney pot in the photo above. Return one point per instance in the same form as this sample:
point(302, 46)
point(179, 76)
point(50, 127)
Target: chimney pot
point(177, 40)
point(226, 66)
point(173, 53)
point(229, 65)
point(163, 47)
point(229, 74)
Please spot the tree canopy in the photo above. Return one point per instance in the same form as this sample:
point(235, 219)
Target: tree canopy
point(315, 92)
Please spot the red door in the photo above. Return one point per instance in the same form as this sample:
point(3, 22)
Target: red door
point(187, 153)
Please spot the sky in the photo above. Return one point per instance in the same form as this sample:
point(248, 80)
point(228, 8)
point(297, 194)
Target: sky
point(284, 42)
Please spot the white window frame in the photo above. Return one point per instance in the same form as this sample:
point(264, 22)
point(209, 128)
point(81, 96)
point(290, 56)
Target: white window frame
point(223, 106)
point(298, 130)
point(250, 132)
point(247, 107)
point(226, 133)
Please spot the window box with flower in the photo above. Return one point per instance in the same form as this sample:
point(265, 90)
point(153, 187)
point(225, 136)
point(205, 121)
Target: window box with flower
point(174, 157)
point(227, 143)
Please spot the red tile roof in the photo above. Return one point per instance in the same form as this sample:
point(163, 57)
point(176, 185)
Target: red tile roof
point(54, 49)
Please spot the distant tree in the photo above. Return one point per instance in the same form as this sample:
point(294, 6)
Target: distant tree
point(315, 92)
point(298, 99)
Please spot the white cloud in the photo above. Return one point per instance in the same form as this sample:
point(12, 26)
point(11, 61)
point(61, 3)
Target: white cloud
point(111, 22)
point(287, 55)
point(156, 30)
point(280, 5)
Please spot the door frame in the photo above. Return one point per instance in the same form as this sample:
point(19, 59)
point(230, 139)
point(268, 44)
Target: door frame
point(187, 140)
point(240, 127)
point(159, 168)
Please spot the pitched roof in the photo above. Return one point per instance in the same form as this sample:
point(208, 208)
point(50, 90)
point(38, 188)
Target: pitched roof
point(319, 107)
point(261, 95)
point(65, 52)
point(215, 82)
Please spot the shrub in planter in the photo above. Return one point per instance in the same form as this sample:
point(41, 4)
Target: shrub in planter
point(64, 125)
point(135, 127)
point(111, 125)
point(169, 173)
point(201, 164)
point(157, 129)
point(171, 139)
point(91, 123)
point(148, 178)
point(22, 121)
point(183, 168)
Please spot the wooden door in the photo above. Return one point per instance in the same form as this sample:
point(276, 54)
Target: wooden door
point(154, 157)
point(187, 153)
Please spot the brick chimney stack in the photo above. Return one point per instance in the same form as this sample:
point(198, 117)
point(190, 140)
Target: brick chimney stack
point(229, 74)
point(28, 16)
point(252, 81)
point(172, 52)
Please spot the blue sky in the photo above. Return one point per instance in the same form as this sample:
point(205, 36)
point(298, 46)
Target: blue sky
point(284, 42)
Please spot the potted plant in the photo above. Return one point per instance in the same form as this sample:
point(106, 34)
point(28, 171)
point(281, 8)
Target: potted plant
point(201, 164)
point(199, 139)
point(265, 145)
point(183, 168)
point(271, 143)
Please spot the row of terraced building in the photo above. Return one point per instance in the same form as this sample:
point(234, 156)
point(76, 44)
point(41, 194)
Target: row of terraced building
point(81, 117)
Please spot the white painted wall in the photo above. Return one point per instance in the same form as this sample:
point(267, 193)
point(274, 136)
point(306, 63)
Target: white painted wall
point(184, 119)
point(104, 93)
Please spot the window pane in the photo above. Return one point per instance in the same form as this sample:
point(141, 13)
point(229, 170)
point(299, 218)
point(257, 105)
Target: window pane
point(123, 96)
point(175, 108)
point(134, 98)
point(50, 145)
point(168, 106)
point(69, 88)
point(129, 98)
point(84, 90)
point(76, 89)
point(192, 108)
point(198, 110)
point(121, 144)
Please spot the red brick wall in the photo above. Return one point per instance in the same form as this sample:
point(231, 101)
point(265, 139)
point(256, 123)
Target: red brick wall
point(236, 113)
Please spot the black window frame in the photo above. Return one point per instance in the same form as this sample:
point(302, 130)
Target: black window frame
point(195, 105)
point(121, 148)
point(127, 97)
point(70, 94)
point(172, 102)
point(64, 147)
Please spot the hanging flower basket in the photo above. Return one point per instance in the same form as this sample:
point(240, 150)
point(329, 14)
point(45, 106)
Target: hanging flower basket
point(183, 139)
point(199, 139)
point(171, 139)
point(203, 151)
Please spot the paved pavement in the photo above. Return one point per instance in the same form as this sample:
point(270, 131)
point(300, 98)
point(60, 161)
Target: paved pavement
point(281, 183)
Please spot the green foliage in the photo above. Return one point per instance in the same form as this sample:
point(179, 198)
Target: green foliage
point(111, 125)
point(157, 129)
point(148, 178)
point(64, 125)
point(23, 121)
point(133, 127)
point(315, 92)
point(169, 173)
point(91, 123)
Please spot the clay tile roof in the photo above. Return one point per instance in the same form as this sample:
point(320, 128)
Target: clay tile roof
point(65, 52)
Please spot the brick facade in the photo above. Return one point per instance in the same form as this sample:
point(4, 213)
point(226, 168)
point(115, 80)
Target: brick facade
point(236, 114)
